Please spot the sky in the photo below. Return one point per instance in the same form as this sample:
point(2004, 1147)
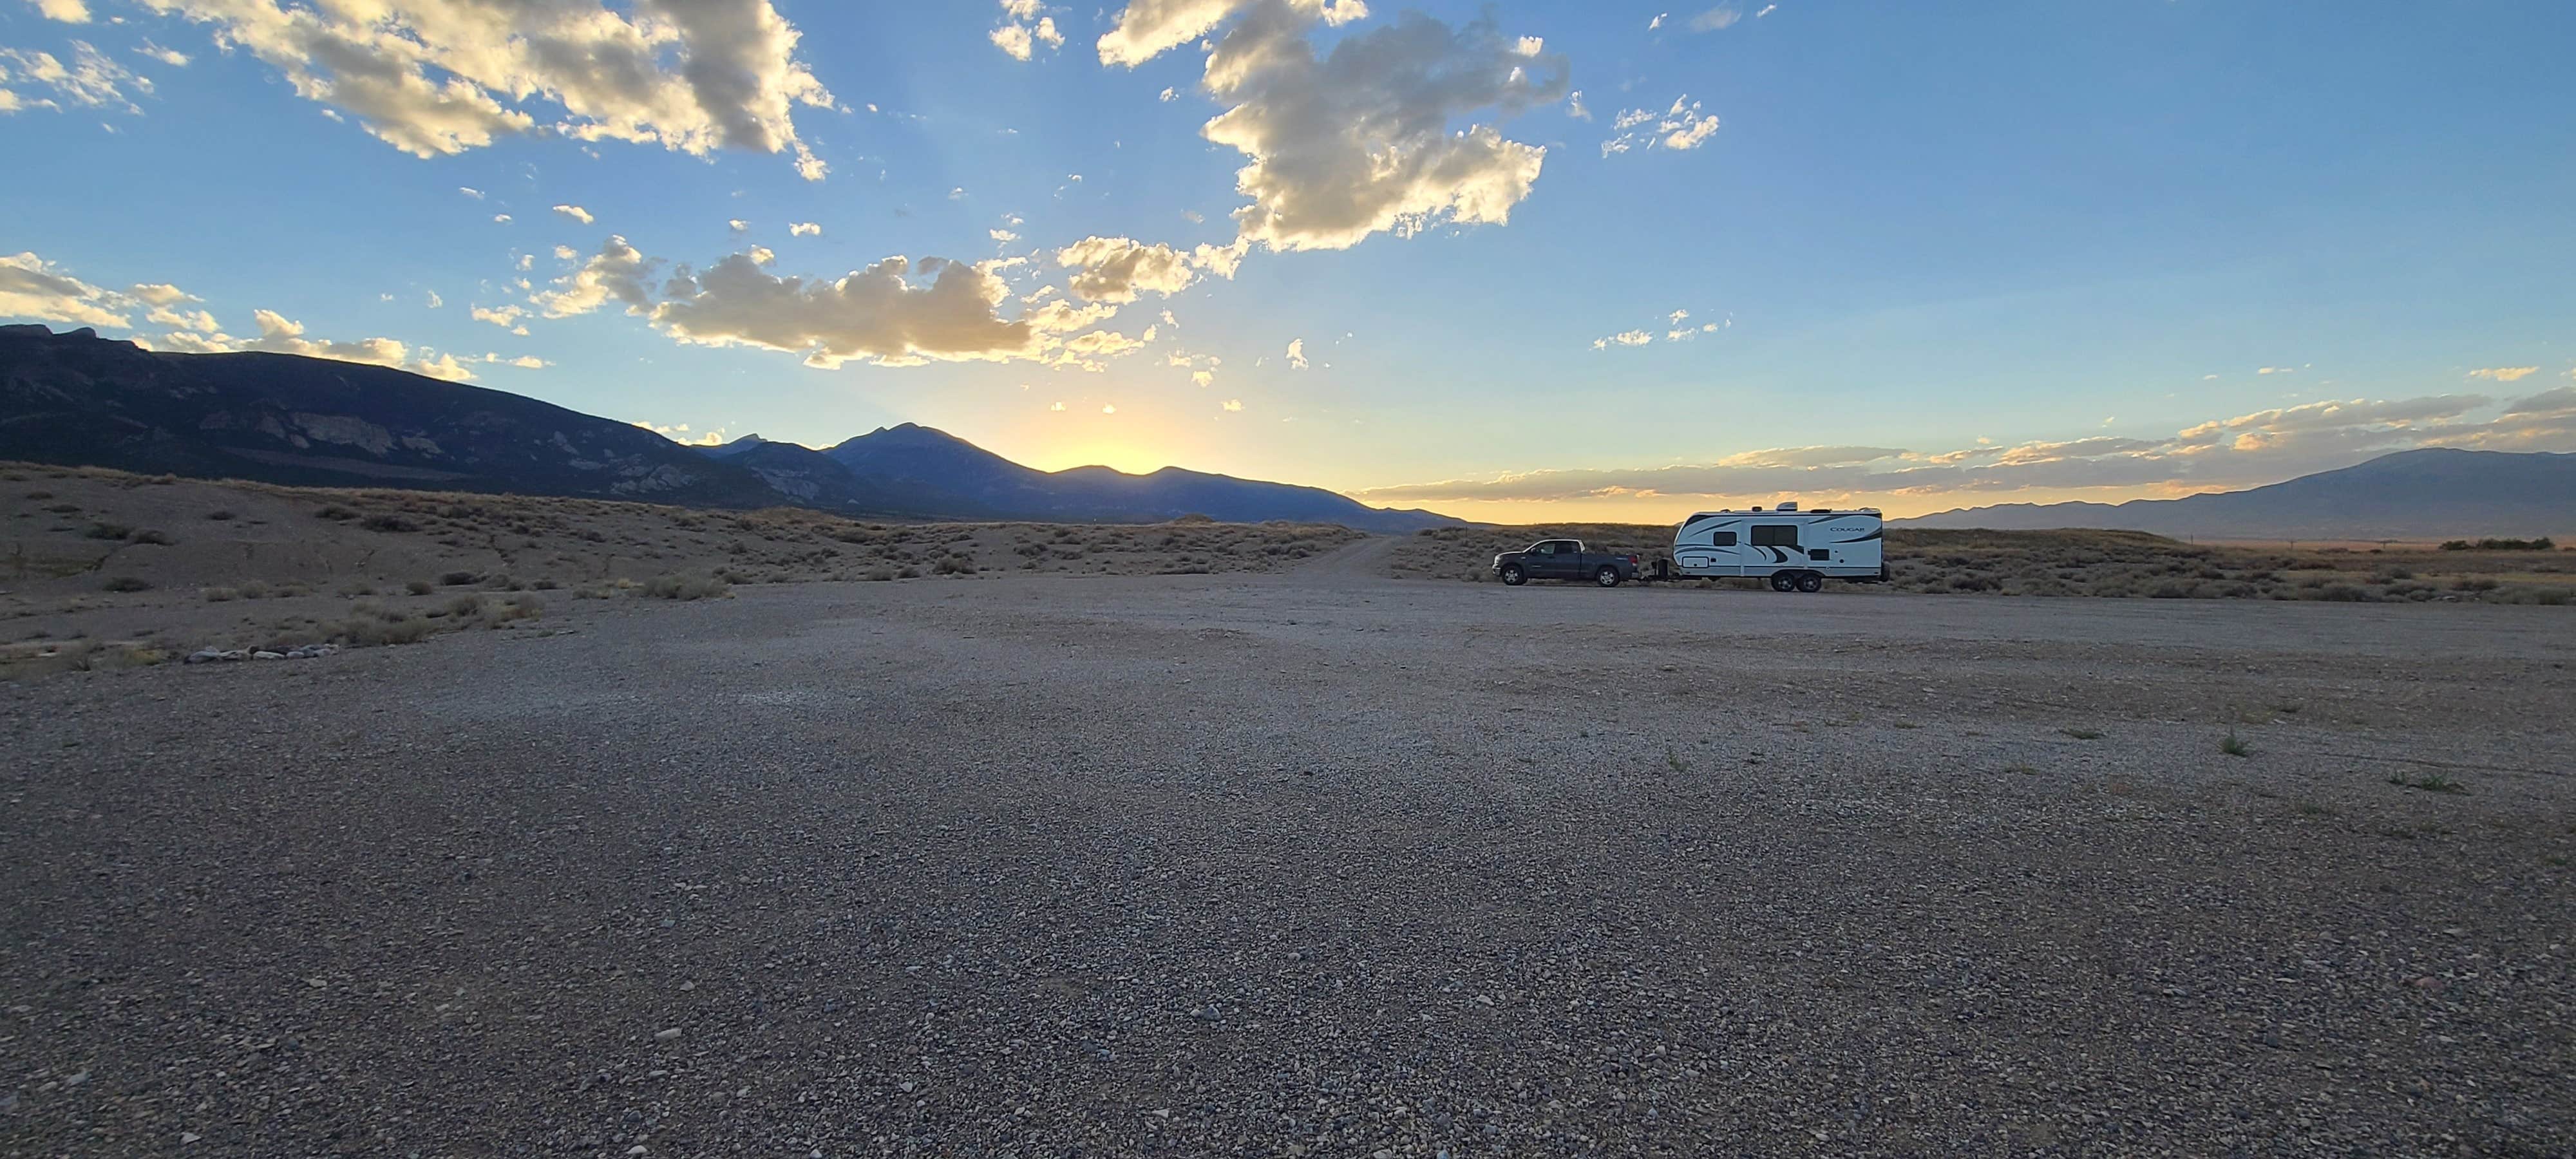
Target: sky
point(1515, 261)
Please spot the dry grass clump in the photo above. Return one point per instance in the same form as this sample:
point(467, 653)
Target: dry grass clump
point(685, 587)
point(29, 662)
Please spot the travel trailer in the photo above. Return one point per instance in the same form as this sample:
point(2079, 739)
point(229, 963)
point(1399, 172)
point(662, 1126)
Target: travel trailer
point(1796, 550)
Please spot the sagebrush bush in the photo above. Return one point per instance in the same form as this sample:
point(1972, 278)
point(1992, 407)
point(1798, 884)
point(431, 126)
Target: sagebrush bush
point(680, 587)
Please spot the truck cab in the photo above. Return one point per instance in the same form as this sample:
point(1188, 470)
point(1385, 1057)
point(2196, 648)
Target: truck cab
point(1564, 559)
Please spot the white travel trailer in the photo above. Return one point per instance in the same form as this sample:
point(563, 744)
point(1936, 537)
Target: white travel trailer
point(1796, 550)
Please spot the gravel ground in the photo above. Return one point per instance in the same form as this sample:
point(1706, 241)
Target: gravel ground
point(1318, 864)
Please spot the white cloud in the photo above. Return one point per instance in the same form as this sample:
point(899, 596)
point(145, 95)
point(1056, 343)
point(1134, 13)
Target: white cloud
point(1657, 22)
point(1623, 338)
point(1767, 9)
point(67, 11)
point(1108, 409)
point(1358, 141)
point(576, 213)
point(737, 225)
point(169, 56)
point(804, 229)
point(501, 219)
point(435, 77)
point(279, 335)
point(470, 191)
point(2505, 373)
point(1169, 95)
point(565, 253)
point(1682, 127)
point(91, 81)
point(505, 317)
point(31, 287)
point(616, 271)
point(435, 301)
point(1716, 18)
point(887, 314)
point(1001, 236)
point(680, 434)
point(1297, 354)
point(523, 362)
point(1117, 269)
point(1202, 378)
point(1574, 106)
point(1234, 404)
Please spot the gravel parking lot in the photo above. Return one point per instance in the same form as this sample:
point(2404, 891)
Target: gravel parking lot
point(1317, 863)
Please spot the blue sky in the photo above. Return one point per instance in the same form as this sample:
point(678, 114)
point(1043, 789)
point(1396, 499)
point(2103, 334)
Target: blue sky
point(1929, 255)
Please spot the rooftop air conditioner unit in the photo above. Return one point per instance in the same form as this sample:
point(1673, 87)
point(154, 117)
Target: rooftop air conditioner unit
point(1788, 507)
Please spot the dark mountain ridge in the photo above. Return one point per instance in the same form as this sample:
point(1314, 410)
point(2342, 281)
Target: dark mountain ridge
point(2432, 493)
point(77, 399)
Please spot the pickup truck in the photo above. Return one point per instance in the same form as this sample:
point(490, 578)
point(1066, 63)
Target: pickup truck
point(1564, 559)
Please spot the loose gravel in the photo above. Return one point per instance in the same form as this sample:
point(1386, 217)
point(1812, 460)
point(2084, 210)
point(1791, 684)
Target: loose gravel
point(1315, 864)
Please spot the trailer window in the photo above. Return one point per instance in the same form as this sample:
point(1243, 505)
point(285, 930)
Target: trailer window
point(1820, 553)
point(1775, 535)
point(1721, 539)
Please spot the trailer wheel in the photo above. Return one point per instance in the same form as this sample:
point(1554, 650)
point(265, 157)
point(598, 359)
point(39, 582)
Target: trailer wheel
point(1810, 582)
point(1513, 575)
point(1781, 582)
point(1607, 577)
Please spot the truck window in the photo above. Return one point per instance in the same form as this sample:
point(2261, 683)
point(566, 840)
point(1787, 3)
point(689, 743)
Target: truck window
point(1721, 539)
point(1775, 535)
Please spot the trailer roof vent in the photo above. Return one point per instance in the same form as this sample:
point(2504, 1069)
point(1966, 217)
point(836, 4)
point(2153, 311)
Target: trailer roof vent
point(1757, 507)
point(1788, 507)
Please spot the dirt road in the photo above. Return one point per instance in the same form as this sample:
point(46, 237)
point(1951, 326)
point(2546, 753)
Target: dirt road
point(1310, 863)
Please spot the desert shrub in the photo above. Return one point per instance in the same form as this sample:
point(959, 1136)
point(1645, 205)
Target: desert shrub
point(253, 590)
point(159, 538)
point(464, 607)
point(2555, 597)
point(2544, 543)
point(880, 574)
point(908, 573)
point(2474, 584)
point(955, 565)
point(458, 579)
point(335, 512)
point(220, 516)
point(545, 585)
point(366, 631)
point(220, 595)
point(499, 612)
point(126, 583)
point(295, 589)
point(420, 587)
point(680, 587)
point(357, 588)
point(390, 523)
point(64, 508)
point(107, 531)
point(2343, 593)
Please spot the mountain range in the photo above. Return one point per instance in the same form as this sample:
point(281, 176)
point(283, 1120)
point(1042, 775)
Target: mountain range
point(77, 399)
point(2433, 493)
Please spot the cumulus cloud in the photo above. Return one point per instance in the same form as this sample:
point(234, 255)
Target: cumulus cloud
point(1296, 354)
point(67, 11)
point(576, 213)
point(2258, 447)
point(505, 317)
point(1623, 338)
point(737, 225)
point(1680, 128)
point(1118, 269)
point(1357, 141)
point(31, 287)
point(169, 56)
point(617, 271)
point(893, 313)
point(281, 335)
point(2505, 373)
point(1234, 404)
point(433, 77)
point(804, 229)
point(1025, 26)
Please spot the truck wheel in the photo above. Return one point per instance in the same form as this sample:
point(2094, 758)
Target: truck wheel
point(1810, 582)
point(1512, 574)
point(1781, 582)
point(1607, 577)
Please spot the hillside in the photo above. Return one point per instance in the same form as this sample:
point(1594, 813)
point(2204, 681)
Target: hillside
point(2435, 493)
point(75, 399)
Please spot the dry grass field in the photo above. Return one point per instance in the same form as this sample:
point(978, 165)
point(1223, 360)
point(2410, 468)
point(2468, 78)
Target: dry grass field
point(103, 568)
point(2120, 564)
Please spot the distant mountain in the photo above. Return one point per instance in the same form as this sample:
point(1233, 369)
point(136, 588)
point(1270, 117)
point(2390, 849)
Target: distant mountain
point(78, 399)
point(2436, 493)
